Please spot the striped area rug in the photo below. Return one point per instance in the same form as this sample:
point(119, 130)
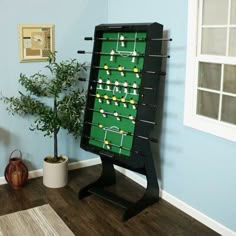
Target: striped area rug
point(38, 221)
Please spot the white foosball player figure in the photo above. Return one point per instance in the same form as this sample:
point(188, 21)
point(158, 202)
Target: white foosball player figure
point(125, 84)
point(108, 84)
point(122, 40)
point(100, 83)
point(134, 54)
point(135, 88)
point(102, 112)
point(116, 86)
point(116, 115)
point(132, 119)
point(112, 55)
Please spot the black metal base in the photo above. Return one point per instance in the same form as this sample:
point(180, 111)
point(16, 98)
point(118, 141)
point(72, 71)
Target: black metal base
point(108, 178)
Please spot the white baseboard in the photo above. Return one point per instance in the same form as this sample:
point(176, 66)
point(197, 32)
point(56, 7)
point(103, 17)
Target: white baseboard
point(2, 180)
point(85, 163)
point(71, 166)
point(214, 225)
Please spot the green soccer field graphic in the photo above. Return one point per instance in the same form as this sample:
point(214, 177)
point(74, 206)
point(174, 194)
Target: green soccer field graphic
point(117, 91)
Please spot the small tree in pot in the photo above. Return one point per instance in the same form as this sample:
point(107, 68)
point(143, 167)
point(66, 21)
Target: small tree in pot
point(61, 86)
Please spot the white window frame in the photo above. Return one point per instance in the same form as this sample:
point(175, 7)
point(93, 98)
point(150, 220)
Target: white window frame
point(191, 119)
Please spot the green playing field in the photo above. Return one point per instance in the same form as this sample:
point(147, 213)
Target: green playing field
point(117, 91)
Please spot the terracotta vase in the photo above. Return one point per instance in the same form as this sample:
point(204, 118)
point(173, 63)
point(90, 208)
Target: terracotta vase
point(16, 172)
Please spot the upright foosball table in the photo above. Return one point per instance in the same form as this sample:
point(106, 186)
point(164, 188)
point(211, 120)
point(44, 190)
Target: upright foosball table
point(121, 106)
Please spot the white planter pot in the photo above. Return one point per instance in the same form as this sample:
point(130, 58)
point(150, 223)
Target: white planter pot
point(55, 175)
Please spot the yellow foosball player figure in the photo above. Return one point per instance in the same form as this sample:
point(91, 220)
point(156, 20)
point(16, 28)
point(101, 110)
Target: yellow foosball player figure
point(105, 67)
point(136, 71)
point(107, 99)
point(106, 142)
point(123, 101)
point(114, 98)
point(132, 102)
point(121, 69)
point(98, 96)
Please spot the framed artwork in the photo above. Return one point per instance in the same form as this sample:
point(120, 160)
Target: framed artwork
point(35, 42)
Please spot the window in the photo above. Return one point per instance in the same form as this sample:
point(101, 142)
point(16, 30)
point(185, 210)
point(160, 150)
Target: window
point(210, 95)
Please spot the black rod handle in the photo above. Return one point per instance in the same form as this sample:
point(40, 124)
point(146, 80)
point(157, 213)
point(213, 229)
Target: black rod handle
point(88, 38)
point(162, 39)
point(83, 79)
point(81, 52)
point(154, 140)
point(162, 56)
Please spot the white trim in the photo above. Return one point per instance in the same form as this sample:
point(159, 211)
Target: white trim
point(199, 216)
point(191, 119)
point(85, 163)
point(2, 181)
point(72, 166)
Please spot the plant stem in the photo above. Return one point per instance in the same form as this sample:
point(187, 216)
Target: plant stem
point(55, 158)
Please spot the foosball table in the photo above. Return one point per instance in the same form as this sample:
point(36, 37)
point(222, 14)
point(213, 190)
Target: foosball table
point(121, 106)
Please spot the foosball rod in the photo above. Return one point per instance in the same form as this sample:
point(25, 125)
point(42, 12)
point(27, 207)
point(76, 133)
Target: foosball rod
point(122, 86)
point(120, 54)
point(127, 39)
point(118, 146)
point(110, 144)
point(121, 116)
point(111, 99)
point(129, 70)
point(126, 102)
point(124, 132)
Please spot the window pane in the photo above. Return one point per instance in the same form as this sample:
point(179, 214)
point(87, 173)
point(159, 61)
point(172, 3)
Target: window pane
point(232, 42)
point(229, 109)
point(209, 75)
point(215, 12)
point(233, 12)
point(207, 104)
point(214, 41)
point(229, 79)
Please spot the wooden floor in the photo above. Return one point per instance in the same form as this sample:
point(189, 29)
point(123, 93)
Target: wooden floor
point(94, 216)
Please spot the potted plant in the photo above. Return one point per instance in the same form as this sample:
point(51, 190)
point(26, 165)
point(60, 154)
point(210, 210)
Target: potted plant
point(60, 86)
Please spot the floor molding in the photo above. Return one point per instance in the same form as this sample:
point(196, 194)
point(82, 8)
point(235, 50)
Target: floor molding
point(214, 225)
point(71, 166)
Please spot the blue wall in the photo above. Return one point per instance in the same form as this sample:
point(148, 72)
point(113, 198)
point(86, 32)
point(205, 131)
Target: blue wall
point(73, 20)
point(196, 167)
